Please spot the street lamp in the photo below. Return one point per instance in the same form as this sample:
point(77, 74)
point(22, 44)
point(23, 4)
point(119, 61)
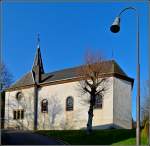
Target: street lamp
point(115, 27)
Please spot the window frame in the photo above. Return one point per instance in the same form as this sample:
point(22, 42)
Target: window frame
point(69, 107)
point(15, 114)
point(44, 108)
point(18, 114)
point(98, 105)
point(22, 114)
point(19, 96)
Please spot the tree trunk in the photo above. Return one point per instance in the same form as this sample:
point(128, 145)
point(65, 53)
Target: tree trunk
point(90, 118)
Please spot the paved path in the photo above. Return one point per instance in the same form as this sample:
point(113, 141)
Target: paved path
point(27, 138)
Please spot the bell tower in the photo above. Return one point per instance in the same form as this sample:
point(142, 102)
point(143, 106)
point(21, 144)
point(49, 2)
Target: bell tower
point(37, 68)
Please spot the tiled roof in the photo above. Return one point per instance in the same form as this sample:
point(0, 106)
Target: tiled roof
point(24, 81)
point(111, 68)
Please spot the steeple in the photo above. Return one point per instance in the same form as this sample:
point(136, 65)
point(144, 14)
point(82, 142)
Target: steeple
point(38, 64)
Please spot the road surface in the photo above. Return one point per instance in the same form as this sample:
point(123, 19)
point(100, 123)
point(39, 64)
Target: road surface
point(27, 138)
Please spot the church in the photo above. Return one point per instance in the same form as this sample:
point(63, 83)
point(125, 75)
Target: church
point(52, 101)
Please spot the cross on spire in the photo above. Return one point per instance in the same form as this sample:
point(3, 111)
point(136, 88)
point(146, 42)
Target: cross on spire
point(38, 40)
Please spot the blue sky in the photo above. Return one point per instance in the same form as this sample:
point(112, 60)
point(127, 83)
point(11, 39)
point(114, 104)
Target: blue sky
point(67, 30)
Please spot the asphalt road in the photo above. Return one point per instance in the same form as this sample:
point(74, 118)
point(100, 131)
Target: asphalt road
point(27, 138)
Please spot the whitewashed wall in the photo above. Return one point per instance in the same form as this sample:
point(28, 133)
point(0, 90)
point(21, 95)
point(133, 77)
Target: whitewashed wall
point(77, 118)
point(26, 103)
point(122, 103)
point(116, 107)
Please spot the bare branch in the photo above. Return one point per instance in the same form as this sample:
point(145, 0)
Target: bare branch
point(91, 82)
point(85, 88)
point(5, 77)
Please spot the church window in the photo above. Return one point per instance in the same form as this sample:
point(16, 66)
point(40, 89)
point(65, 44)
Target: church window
point(98, 102)
point(69, 103)
point(22, 114)
point(44, 106)
point(15, 114)
point(18, 114)
point(19, 95)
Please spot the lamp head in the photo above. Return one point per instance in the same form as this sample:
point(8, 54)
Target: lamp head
point(115, 27)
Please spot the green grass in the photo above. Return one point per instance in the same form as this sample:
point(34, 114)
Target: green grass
point(131, 141)
point(98, 137)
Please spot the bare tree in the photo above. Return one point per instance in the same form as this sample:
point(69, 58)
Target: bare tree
point(5, 81)
point(5, 77)
point(92, 82)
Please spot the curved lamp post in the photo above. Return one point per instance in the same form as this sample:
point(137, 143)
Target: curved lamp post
point(115, 27)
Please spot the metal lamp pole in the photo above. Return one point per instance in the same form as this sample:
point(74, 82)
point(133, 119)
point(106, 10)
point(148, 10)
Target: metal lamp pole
point(116, 28)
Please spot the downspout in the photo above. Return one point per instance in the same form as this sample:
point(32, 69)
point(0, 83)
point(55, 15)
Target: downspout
point(35, 103)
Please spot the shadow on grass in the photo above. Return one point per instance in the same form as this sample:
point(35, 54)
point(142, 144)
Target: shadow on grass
point(98, 137)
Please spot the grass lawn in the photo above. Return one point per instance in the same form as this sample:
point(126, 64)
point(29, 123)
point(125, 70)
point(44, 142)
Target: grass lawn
point(98, 137)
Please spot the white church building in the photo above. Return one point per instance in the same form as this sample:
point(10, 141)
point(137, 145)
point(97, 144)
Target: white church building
point(53, 100)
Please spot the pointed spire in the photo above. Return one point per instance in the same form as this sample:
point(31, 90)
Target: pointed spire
point(38, 40)
point(38, 61)
point(38, 64)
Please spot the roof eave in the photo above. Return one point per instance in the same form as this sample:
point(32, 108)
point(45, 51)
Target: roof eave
point(73, 79)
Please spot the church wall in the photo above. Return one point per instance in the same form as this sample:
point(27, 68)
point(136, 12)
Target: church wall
point(122, 103)
point(116, 107)
point(26, 103)
point(104, 116)
point(76, 119)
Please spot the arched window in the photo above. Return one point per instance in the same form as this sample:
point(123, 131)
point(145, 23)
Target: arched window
point(98, 102)
point(69, 103)
point(44, 106)
point(19, 95)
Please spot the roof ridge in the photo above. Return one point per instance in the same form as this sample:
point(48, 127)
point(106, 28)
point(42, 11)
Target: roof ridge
point(76, 67)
